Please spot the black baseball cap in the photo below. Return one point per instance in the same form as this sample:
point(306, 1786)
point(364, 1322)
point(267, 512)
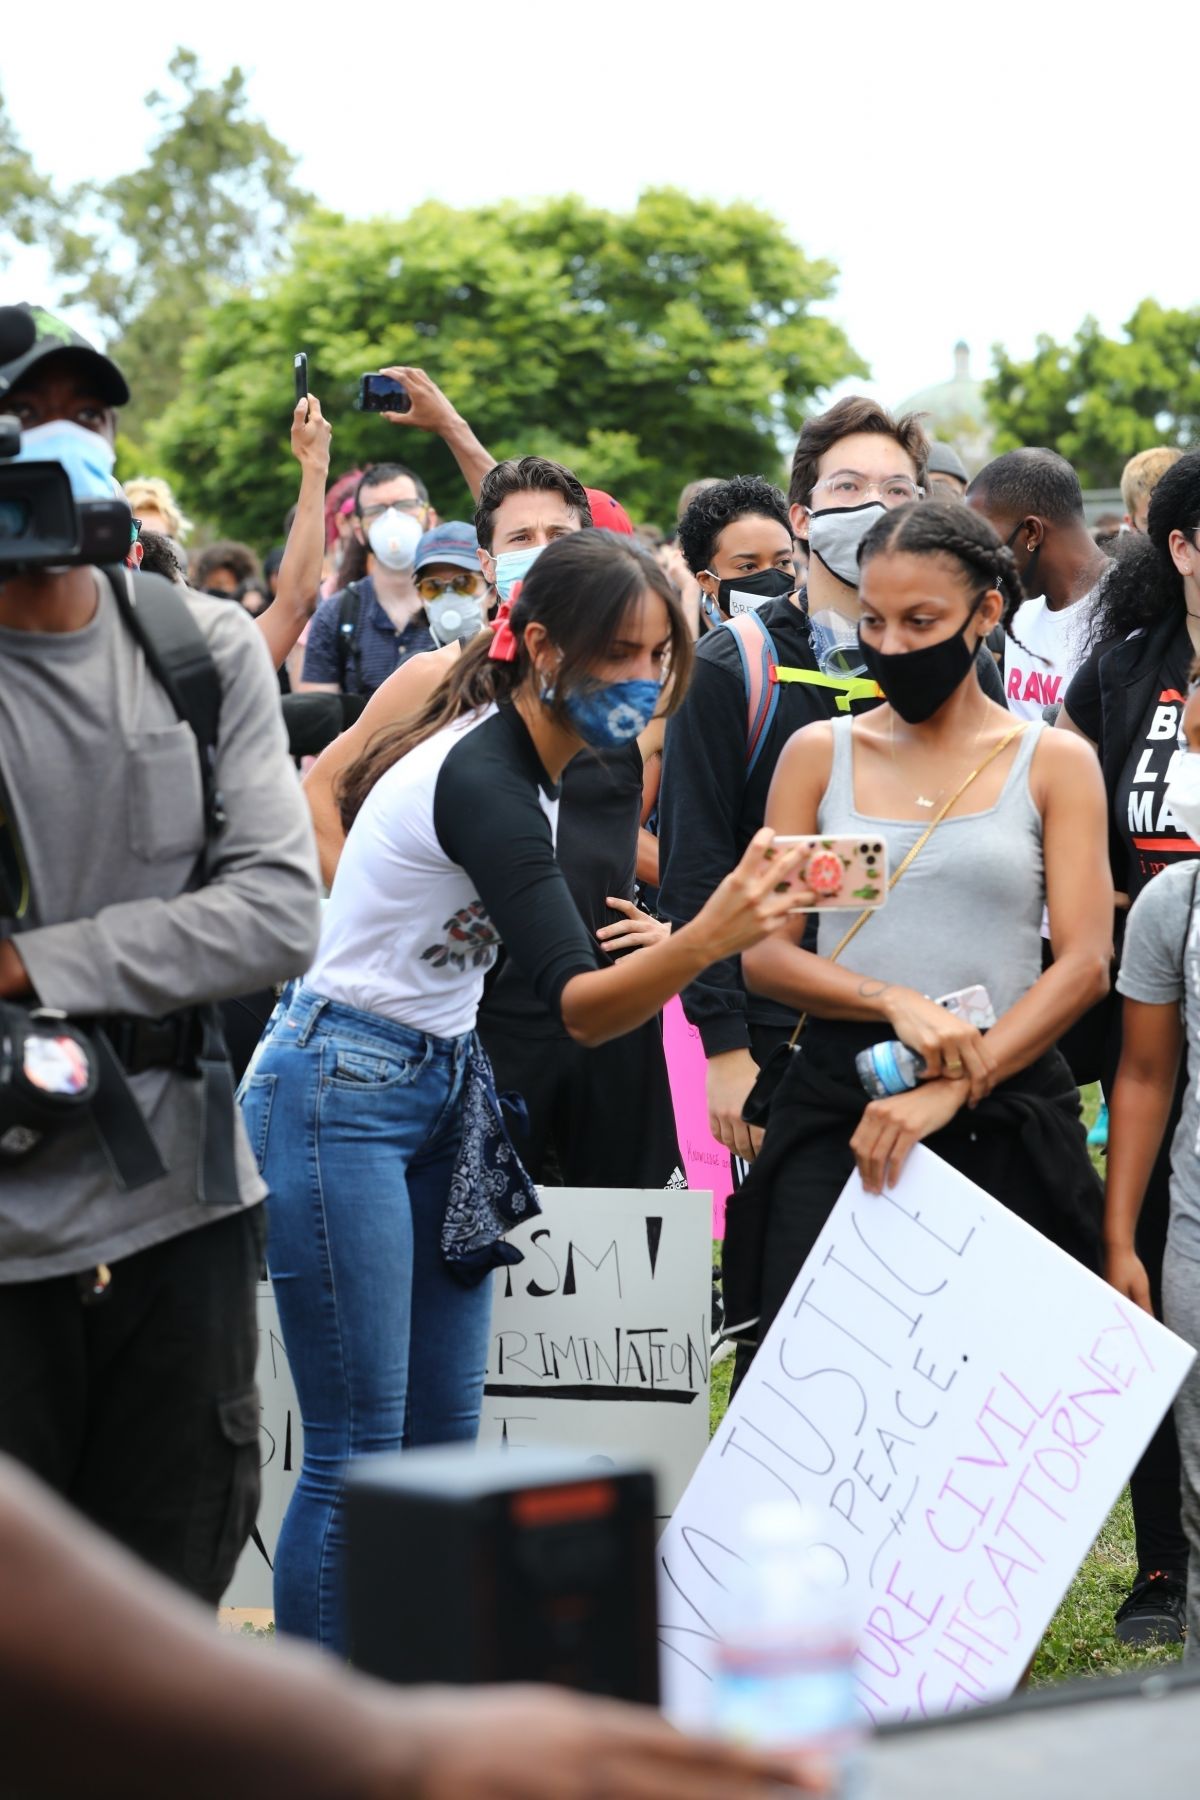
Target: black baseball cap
point(52, 337)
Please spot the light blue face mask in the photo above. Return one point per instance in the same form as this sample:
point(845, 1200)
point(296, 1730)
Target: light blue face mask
point(611, 713)
point(513, 566)
point(87, 457)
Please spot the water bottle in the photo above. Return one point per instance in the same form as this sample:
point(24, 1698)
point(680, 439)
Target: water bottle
point(782, 1675)
point(890, 1068)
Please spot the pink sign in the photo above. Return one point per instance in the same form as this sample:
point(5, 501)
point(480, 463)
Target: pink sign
point(705, 1161)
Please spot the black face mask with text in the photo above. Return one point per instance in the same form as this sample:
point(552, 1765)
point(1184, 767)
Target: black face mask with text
point(918, 683)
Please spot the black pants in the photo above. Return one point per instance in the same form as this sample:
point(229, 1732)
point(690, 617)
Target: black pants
point(140, 1408)
point(597, 1118)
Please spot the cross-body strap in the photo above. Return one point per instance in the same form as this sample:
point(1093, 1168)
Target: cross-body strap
point(907, 861)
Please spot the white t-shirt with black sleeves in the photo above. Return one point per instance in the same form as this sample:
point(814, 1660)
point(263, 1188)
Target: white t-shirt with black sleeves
point(451, 855)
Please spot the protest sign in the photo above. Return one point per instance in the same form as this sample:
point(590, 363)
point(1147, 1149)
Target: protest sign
point(961, 1403)
point(280, 1446)
point(705, 1161)
point(600, 1338)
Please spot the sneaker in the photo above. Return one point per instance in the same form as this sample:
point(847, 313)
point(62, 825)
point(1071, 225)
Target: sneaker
point(1098, 1136)
point(1155, 1612)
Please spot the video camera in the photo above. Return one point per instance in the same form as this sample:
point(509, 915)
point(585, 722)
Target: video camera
point(41, 524)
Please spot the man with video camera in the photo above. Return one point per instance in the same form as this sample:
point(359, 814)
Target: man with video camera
point(155, 858)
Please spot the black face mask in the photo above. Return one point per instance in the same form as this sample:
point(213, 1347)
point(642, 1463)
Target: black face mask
point(917, 683)
point(746, 593)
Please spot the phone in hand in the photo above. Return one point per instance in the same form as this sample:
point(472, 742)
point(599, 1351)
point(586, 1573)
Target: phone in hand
point(300, 365)
point(842, 873)
point(382, 393)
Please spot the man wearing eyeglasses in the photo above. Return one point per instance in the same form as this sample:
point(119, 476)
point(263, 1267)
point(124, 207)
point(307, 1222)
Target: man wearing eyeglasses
point(362, 635)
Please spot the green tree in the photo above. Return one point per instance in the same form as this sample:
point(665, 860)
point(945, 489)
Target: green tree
point(643, 348)
point(210, 210)
point(26, 202)
point(1099, 400)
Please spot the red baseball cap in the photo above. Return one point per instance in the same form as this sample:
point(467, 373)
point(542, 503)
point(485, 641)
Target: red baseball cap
point(608, 514)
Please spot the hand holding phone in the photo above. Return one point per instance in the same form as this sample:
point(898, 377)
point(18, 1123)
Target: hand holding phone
point(381, 394)
point(841, 873)
point(300, 365)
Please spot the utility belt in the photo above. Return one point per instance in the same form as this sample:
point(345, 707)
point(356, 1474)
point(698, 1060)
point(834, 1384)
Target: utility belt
point(57, 1073)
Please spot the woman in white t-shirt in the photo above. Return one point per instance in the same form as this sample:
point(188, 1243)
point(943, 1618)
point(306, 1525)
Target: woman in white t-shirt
point(371, 1109)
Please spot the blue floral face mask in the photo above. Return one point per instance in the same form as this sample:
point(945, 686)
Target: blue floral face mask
point(611, 713)
point(513, 566)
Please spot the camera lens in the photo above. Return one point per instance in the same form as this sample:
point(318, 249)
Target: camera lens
point(15, 516)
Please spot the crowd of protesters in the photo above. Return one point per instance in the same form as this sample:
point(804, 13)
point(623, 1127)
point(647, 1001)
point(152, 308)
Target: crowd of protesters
point(536, 760)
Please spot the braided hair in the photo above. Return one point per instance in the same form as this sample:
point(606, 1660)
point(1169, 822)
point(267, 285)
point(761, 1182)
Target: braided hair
point(956, 532)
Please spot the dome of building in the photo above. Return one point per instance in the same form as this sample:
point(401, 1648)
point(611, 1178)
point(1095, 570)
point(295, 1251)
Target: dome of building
point(955, 411)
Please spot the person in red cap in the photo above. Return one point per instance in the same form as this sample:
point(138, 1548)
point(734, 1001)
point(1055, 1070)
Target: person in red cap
point(608, 514)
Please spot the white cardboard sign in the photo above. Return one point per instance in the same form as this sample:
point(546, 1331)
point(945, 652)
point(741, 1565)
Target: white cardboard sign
point(962, 1403)
point(600, 1341)
point(281, 1442)
point(600, 1338)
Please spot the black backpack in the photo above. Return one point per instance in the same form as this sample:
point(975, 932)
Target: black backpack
point(349, 619)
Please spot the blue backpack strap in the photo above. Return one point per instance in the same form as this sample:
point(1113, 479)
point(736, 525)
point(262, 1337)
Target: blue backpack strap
point(756, 647)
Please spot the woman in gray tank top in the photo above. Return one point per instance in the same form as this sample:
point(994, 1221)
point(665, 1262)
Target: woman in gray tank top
point(1029, 830)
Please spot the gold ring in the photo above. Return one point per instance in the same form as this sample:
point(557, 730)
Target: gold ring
point(954, 1068)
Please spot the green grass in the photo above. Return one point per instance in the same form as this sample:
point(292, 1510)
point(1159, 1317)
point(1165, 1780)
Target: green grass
point(1079, 1639)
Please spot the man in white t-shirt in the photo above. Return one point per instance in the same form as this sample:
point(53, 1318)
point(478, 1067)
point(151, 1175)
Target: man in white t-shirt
point(1032, 499)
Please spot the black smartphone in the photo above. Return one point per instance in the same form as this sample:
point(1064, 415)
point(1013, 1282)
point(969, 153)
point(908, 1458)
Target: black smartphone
point(382, 393)
point(300, 364)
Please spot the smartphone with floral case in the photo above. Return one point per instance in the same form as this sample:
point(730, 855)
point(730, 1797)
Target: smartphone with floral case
point(841, 873)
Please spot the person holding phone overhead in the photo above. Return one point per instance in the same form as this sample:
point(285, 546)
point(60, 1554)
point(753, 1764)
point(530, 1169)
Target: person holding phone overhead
point(371, 1107)
point(986, 820)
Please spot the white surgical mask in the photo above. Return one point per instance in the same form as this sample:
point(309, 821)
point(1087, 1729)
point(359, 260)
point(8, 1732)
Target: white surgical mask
point(393, 538)
point(1183, 792)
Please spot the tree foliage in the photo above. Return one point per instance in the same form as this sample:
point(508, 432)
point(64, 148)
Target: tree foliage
point(26, 203)
point(642, 348)
point(1099, 400)
point(209, 212)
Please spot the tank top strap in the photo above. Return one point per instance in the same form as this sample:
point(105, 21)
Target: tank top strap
point(1027, 743)
point(839, 793)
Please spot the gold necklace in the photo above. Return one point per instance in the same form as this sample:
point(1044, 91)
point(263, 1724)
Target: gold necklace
point(921, 799)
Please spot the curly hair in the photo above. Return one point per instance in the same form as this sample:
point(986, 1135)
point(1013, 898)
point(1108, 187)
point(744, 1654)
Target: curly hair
point(718, 505)
point(1142, 584)
point(948, 529)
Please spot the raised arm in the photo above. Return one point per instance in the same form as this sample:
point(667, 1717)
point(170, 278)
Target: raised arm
point(431, 411)
point(300, 571)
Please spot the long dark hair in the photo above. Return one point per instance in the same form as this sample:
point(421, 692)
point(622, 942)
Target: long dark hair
point(1143, 585)
point(949, 529)
point(580, 588)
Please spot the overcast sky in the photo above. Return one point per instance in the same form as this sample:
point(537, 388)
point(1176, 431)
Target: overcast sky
point(977, 171)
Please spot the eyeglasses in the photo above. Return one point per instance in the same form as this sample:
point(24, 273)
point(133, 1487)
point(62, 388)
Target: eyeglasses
point(849, 488)
point(366, 513)
point(432, 587)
